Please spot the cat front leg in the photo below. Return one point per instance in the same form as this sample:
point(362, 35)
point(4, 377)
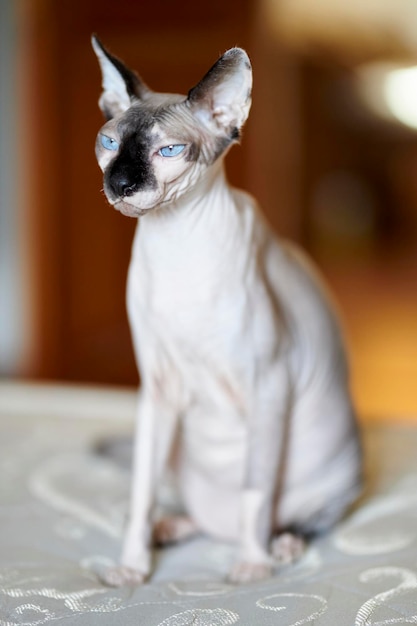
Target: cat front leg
point(267, 438)
point(154, 436)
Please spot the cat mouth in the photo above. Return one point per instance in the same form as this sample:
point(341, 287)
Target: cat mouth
point(130, 210)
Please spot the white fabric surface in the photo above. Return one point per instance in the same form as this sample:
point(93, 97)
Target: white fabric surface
point(62, 507)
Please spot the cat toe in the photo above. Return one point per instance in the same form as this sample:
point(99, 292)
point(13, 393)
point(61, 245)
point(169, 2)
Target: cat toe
point(121, 576)
point(247, 572)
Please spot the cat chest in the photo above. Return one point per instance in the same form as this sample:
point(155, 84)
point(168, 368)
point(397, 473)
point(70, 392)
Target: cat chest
point(213, 405)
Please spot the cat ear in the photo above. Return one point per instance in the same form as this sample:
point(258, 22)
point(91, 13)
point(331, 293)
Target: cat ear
point(222, 99)
point(121, 86)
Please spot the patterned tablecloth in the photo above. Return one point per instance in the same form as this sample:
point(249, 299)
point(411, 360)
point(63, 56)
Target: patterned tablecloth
point(62, 506)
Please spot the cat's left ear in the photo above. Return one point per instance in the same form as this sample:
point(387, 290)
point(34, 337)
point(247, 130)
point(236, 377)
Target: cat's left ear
point(121, 86)
point(222, 99)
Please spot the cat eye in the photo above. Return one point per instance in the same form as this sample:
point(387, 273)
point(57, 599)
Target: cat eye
point(109, 143)
point(171, 151)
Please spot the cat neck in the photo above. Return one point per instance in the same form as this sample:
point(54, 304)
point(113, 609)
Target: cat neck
point(203, 226)
point(207, 204)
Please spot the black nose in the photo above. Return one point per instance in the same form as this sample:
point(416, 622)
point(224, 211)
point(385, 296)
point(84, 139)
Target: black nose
point(122, 186)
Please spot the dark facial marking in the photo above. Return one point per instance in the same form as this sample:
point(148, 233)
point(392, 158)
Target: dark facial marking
point(221, 145)
point(131, 170)
point(224, 142)
point(193, 152)
point(235, 134)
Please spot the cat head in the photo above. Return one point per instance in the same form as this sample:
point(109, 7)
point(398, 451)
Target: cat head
point(155, 147)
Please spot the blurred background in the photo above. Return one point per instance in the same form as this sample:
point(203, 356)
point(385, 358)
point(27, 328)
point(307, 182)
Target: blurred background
point(330, 151)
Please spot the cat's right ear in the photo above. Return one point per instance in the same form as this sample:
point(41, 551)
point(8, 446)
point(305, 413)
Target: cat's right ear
point(222, 99)
point(121, 86)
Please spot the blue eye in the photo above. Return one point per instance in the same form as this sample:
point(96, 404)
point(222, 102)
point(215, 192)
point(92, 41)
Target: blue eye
point(109, 143)
point(171, 151)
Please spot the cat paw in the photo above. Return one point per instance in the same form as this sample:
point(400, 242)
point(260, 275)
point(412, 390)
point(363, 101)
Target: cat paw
point(287, 548)
point(121, 576)
point(248, 572)
point(172, 529)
